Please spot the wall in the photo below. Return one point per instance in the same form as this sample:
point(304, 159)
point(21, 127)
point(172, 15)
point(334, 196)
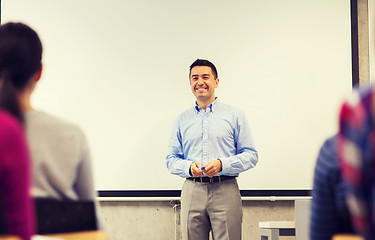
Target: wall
point(145, 220)
point(119, 69)
point(156, 220)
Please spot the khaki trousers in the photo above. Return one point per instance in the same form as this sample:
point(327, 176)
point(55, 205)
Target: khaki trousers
point(211, 206)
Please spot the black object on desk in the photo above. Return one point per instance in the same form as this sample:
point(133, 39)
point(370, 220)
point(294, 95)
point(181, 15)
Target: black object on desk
point(61, 216)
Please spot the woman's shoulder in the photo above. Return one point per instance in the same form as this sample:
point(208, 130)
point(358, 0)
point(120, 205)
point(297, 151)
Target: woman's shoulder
point(9, 124)
point(11, 132)
point(46, 121)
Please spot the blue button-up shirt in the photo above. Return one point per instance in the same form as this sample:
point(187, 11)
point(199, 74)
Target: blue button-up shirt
point(220, 132)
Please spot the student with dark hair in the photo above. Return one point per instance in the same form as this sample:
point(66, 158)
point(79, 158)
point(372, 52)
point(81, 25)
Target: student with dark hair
point(21, 54)
point(59, 152)
point(16, 211)
point(210, 145)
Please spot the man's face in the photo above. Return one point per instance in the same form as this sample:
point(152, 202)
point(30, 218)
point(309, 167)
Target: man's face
point(203, 83)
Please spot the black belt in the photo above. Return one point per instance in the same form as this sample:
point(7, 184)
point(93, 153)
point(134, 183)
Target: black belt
point(213, 179)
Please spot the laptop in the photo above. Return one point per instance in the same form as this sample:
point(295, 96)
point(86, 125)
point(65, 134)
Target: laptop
point(58, 216)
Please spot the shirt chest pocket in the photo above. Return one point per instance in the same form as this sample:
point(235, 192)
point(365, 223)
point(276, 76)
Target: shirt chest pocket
point(214, 132)
point(192, 136)
point(221, 131)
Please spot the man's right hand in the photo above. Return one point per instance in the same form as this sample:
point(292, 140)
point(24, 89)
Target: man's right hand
point(195, 169)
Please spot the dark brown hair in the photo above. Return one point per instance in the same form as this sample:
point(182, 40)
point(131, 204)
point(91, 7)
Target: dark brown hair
point(20, 57)
point(203, 62)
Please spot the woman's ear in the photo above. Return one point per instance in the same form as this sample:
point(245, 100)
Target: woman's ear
point(38, 73)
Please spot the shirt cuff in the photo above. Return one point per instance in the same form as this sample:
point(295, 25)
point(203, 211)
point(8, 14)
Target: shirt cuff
point(225, 165)
point(188, 169)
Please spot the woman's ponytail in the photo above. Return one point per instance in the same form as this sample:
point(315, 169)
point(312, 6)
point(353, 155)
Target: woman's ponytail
point(9, 99)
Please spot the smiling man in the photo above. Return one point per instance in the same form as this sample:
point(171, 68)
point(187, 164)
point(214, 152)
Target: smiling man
point(210, 145)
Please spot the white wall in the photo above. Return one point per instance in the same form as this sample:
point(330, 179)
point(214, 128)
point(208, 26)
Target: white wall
point(120, 70)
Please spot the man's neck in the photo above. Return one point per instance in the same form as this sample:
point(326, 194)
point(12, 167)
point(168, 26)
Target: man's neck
point(204, 104)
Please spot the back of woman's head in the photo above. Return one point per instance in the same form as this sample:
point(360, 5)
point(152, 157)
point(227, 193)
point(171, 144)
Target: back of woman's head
point(20, 58)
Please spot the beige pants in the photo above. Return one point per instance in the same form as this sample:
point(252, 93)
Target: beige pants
point(211, 206)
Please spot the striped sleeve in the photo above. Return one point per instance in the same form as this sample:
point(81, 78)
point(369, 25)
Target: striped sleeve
point(356, 157)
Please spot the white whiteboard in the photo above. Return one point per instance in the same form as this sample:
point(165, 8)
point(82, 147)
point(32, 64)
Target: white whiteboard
point(119, 69)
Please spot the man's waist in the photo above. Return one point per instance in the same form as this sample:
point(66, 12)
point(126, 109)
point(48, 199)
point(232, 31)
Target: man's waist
point(213, 179)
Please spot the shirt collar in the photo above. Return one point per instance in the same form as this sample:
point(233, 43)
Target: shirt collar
point(213, 106)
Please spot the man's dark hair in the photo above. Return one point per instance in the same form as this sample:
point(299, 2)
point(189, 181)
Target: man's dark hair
point(20, 57)
point(203, 62)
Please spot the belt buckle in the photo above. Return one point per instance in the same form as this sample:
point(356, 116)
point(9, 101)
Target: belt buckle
point(211, 180)
point(198, 179)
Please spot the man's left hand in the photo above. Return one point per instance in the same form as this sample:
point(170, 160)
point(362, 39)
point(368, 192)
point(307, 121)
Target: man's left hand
point(212, 168)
